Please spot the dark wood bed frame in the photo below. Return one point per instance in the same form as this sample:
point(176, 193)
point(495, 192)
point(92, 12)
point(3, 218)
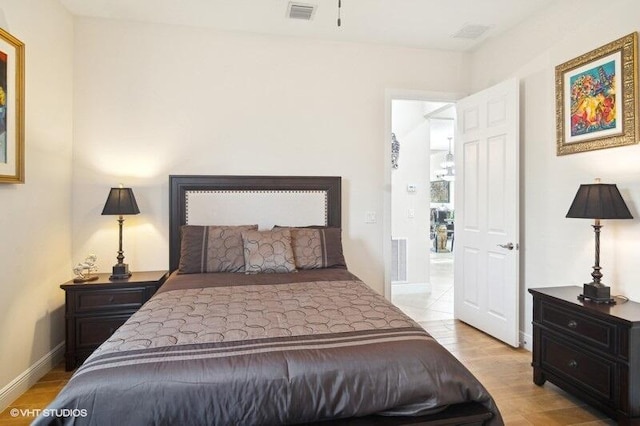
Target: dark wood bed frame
point(180, 185)
point(460, 414)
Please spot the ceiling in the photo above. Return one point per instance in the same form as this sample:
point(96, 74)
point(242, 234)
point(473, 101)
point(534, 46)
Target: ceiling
point(412, 23)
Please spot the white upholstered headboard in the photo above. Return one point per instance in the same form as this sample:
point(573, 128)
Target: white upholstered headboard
point(245, 200)
point(266, 208)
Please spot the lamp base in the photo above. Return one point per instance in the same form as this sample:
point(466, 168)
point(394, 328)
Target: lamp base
point(120, 272)
point(597, 294)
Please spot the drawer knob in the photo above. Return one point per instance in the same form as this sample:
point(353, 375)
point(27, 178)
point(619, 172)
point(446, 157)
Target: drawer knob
point(572, 324)
point(573, 363)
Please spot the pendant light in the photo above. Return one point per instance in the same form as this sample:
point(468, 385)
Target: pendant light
point(448, 159)
point(448, 173)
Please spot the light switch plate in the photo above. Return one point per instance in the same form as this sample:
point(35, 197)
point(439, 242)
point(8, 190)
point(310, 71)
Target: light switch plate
point(369, 217)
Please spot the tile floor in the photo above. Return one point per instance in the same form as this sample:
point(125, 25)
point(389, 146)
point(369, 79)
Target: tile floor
point(415, 301)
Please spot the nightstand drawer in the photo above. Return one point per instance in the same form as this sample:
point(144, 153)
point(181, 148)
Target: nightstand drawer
point(598, 333)
point(579, 367)
point(131, 298)
point(92, 332)
point(588, 349)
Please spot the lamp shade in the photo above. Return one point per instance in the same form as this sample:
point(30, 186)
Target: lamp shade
point(120, 201)
point(599, 201)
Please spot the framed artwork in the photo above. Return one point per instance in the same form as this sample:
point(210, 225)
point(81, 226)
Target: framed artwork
point(440, 191)
point(596, 98)
point(11, 109)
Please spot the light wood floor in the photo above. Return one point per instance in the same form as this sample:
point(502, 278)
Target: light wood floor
point(505, 372)
point(37, 397)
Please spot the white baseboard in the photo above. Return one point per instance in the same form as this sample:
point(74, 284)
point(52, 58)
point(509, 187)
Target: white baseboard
point(30, 376)
point(526, 341)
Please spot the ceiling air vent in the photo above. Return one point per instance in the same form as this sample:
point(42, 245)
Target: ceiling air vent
point(301, 11)
point(471, 31)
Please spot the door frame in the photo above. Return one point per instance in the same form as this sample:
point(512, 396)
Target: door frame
point(389, 96)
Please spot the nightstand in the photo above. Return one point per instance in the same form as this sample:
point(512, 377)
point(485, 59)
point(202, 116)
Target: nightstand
point(590, 350)
point(95, 309)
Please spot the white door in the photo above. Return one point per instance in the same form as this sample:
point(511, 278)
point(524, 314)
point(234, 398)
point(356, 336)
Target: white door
point(486, 271)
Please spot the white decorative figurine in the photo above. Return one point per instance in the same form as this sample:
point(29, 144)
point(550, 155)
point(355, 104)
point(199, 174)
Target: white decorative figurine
point(84, 269)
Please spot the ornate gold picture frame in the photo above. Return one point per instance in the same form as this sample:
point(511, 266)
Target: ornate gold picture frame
point(596, 98)
point(11, 109)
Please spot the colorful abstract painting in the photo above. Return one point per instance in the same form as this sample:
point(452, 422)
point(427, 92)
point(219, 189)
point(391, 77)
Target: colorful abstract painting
point(593, 100)
point(3, 107)
point(11, 109)
point(596, 95)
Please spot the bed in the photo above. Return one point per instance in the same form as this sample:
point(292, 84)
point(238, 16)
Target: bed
point(291, 336)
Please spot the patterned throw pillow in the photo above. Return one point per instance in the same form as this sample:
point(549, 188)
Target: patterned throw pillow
point(268, 251)
point(317, 247)
point(212, 249)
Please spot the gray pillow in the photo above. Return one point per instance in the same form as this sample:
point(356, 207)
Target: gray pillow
point(268, 251)
point(316, 247)
point(212, 249)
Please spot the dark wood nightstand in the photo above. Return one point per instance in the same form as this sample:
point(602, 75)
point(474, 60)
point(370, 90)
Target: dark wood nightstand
point(95, 309)
point(590, 350)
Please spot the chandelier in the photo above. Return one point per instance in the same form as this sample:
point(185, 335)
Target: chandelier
point(448, 172)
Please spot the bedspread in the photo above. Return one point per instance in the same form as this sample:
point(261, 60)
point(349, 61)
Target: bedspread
point(264, 354)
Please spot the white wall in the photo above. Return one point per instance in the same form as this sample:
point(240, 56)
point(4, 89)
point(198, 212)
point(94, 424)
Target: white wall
point(153, 100)
point(557, 251)
point(35, 247)
point(412, 132)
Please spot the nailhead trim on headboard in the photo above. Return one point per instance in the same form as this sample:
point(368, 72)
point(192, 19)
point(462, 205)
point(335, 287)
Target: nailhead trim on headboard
point(181, 185)
point(324, 192)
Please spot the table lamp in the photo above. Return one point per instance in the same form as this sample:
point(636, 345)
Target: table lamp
point(598, 201)
point(120, 201)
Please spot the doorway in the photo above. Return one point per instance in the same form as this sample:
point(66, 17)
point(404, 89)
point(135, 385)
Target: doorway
point(486, 256)
point(422, 182)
